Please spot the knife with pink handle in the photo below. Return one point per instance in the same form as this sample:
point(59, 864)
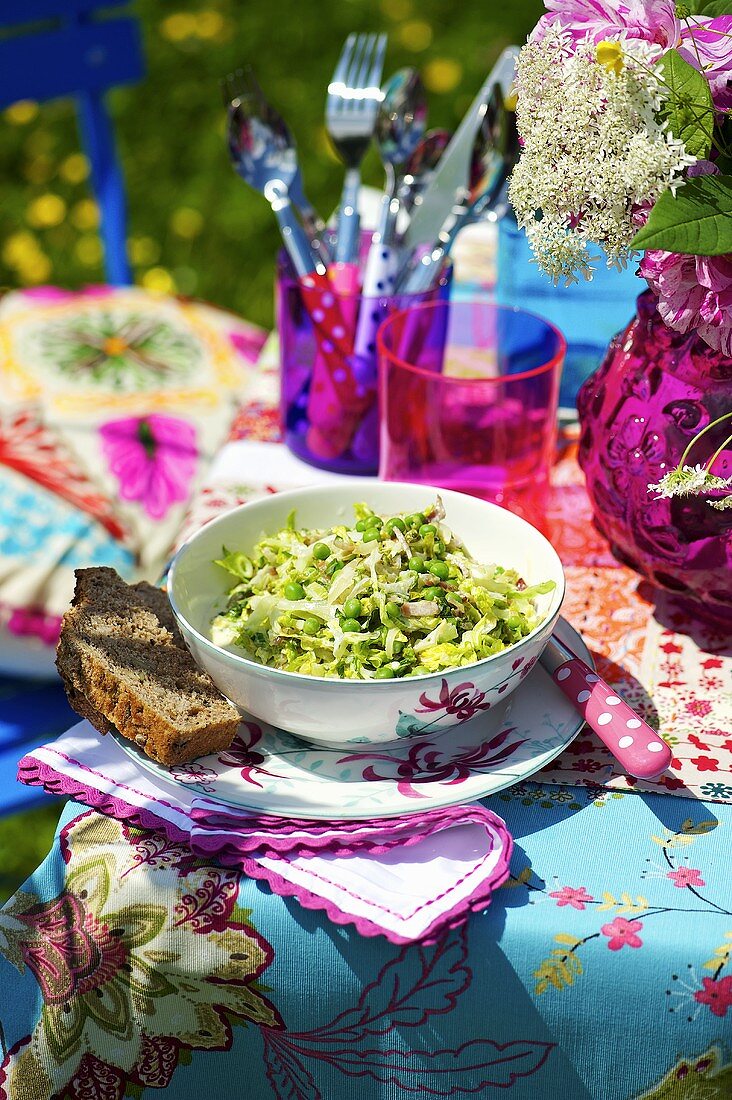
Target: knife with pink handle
point(638, 748)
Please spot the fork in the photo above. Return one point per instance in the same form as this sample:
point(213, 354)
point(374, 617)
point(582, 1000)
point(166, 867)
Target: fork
point(353, 100)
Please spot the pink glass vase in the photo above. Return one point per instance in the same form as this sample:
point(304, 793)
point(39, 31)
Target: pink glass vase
point(653, 392)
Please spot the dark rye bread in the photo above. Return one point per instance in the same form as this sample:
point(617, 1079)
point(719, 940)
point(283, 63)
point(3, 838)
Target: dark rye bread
point(125, 666)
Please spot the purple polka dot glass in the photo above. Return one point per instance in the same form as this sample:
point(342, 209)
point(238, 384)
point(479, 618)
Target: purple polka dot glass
point(655, 390)
point(308, 399)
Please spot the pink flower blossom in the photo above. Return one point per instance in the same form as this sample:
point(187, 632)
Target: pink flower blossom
point(622, 933)
point(569, 896)
point(651, 20)
point(707, 41)
point(694, 294)
point(686, 876)
point(716, 993)
point(153, 458)
point(701, 708)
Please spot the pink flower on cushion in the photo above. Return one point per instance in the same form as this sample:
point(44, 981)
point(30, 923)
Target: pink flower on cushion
point(694, 293)
point(651, 20)
point(716, 993)
point(686, 876)
point(622, 933)
point(569, 896)
point(154, 459)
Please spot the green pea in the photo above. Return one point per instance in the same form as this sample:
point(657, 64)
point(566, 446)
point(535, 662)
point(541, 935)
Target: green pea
point(375, 521)
point(311, 625)
point(393, 610)
point(416, 520)
point(353, 609)
point(349, 626)
point(371, 534)
point(395, 523)
point(321, 551)
point(384, 673)
point(417, 564)
point(362, 525)
point(335, 566)
point(432, 593)
point(294, 591)
point(427, 529)
point(439, 569)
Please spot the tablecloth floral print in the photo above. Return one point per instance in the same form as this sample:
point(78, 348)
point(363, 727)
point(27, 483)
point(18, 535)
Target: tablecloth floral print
point(126, 962)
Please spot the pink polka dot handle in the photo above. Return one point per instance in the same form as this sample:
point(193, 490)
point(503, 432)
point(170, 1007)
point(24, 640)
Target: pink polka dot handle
point(637, 747)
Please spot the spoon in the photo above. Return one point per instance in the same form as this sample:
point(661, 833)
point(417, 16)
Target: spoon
point(400, 126)
point(494, 155)
point(420, 166)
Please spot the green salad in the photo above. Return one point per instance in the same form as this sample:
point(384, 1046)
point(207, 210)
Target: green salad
point(382, 598)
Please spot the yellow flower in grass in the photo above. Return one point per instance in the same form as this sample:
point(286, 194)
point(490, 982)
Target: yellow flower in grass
point(178, 26)
point(89, 250)
point(35, 269)
point(85, 214)
point(397, 9)
point(45, 211)
point(74, 168)
point(186, 222)
point(18, 247)
point(415, 35)
point(210, 24)
point(22, 112)
point(442, 74)
point(159, 281)
point(143, 250)
point(610, 56)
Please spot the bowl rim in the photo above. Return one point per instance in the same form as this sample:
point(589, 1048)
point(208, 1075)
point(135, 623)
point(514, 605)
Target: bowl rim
point(256, 666)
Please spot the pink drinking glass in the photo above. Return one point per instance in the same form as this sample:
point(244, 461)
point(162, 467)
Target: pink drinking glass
point(469, 394)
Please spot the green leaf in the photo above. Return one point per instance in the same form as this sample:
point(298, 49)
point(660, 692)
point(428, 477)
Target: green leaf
point(689, 109)
point(697, 222)
point(713, 8)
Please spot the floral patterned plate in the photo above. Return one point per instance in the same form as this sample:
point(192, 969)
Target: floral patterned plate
point(272, 772)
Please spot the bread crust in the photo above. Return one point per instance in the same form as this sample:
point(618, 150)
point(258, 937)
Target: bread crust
point(98, 693)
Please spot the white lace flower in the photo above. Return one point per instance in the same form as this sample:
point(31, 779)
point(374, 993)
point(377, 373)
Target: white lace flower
point(594, 154)
point(722, 504)
point(685, 481)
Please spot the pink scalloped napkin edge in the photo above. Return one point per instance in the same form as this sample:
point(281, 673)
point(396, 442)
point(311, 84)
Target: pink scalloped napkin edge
point(407, 878)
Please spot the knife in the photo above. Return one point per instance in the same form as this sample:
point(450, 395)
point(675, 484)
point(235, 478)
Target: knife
point(638, 748)
point(451, 175)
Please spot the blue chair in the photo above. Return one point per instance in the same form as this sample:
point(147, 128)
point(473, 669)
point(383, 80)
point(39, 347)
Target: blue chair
point(59, 48)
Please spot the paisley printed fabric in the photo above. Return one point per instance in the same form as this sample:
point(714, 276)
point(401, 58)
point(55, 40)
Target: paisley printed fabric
point(112, 404)
point(142, 956)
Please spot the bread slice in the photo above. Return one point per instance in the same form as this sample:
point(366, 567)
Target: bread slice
point(125, 666)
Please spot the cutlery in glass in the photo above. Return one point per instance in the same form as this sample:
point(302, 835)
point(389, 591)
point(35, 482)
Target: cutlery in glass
point(451, 174)
point(351, 108)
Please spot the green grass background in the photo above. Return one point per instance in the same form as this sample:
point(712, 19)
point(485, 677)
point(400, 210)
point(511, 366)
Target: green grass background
point(194, 227)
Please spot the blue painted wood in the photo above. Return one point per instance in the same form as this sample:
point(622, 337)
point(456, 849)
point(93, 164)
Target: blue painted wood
point(19, 12)
point(29, 716)
point(75, 55)
point(98, 140)
point(86, 57)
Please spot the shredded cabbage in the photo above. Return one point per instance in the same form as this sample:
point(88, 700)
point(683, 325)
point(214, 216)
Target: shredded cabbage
point(383, 598)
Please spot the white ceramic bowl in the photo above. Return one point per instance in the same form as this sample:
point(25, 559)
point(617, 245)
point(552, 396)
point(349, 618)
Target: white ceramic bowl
point(339, 713)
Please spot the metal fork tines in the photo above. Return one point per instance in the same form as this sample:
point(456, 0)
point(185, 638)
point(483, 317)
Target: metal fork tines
point(354, 95)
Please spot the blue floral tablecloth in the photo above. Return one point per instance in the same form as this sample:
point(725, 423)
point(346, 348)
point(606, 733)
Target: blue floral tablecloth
point(602, 970)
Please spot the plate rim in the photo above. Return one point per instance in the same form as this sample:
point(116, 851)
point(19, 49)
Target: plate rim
point(452, 797)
